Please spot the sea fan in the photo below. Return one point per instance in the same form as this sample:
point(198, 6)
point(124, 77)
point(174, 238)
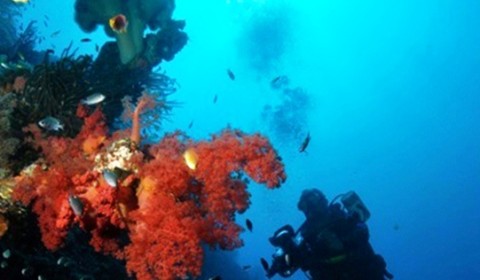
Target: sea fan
point(55, 89)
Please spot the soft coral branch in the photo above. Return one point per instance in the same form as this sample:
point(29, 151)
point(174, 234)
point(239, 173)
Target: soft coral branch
point(167, 209)
point(144, 102)
point(197, 206)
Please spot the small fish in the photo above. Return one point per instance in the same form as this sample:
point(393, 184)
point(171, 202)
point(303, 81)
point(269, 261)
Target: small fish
point(61, 261)
point(27, 271)
point(50, 123)
point(40, 277)
point(191, 158)
point(190, 124)
point(46, 17)
point(217, 277)
point(287, 259)
point(215, 98)
point(85, 40)
point(3, 264)
point(6, 254)
point(21, 1)
point(21, 56)
point(55, 34)
point(275, 80)
point(118, 23)
point(76, 205)
point(249, 224)
point(264, 264)
point(230, 74)
point(97, 47)
point(93, 99)
point(110, 177)
point(279, 82)
point(304, 145)
point(246, 267)
point(49, 51)
point(5, 66)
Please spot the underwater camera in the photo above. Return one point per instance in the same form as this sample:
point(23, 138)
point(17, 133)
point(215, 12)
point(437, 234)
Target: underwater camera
point(286, 257)
point(353, 205)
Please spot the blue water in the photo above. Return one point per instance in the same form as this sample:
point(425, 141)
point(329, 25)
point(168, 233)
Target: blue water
point(393, 111)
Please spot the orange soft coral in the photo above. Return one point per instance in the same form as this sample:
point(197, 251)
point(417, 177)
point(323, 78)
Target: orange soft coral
point(168, 210)
point(179, 209)
point(145, 101)
point(49, 186)
point(48, 191)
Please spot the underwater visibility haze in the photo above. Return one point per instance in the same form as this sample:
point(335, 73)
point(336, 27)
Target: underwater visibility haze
point(162, 139)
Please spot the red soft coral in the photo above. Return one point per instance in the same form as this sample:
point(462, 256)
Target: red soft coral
point(179, 208)
point(49, 187)
point(168, 209)
point(170, 236)
point(48, 193)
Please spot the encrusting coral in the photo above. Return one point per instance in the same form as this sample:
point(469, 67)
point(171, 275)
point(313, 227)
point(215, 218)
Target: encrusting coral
point(167, 209)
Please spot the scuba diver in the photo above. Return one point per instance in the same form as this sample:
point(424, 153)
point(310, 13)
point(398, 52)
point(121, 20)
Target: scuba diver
point(332, 243)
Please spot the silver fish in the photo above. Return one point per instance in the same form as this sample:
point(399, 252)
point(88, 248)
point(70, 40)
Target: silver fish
point(4, 65)
point(61, 261)
point(27, 271)
point(93, 99)
point(3, 264)
point(6, 254)
point(75, 204)
point(50, 123)
point(110, 177)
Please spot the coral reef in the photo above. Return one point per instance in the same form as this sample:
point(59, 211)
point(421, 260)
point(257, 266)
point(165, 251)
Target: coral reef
point(17, 42)
point(162, 206)
point(150, 121)
point(11, 141)
point(117, 81)
point(55, 89)
point(8, 21)
point(8, 31)
point(101, 204)
point(139, 14)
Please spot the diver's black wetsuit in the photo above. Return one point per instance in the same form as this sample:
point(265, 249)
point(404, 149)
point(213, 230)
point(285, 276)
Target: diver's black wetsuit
point(332, 244)
point(336, 247)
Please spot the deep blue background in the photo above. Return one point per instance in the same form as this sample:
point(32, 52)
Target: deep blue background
point(393, 113)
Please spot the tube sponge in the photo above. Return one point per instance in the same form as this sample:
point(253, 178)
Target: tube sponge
point(139, 13)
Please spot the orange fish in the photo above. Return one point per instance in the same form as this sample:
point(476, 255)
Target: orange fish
point(118, 23)
point(191, 158)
